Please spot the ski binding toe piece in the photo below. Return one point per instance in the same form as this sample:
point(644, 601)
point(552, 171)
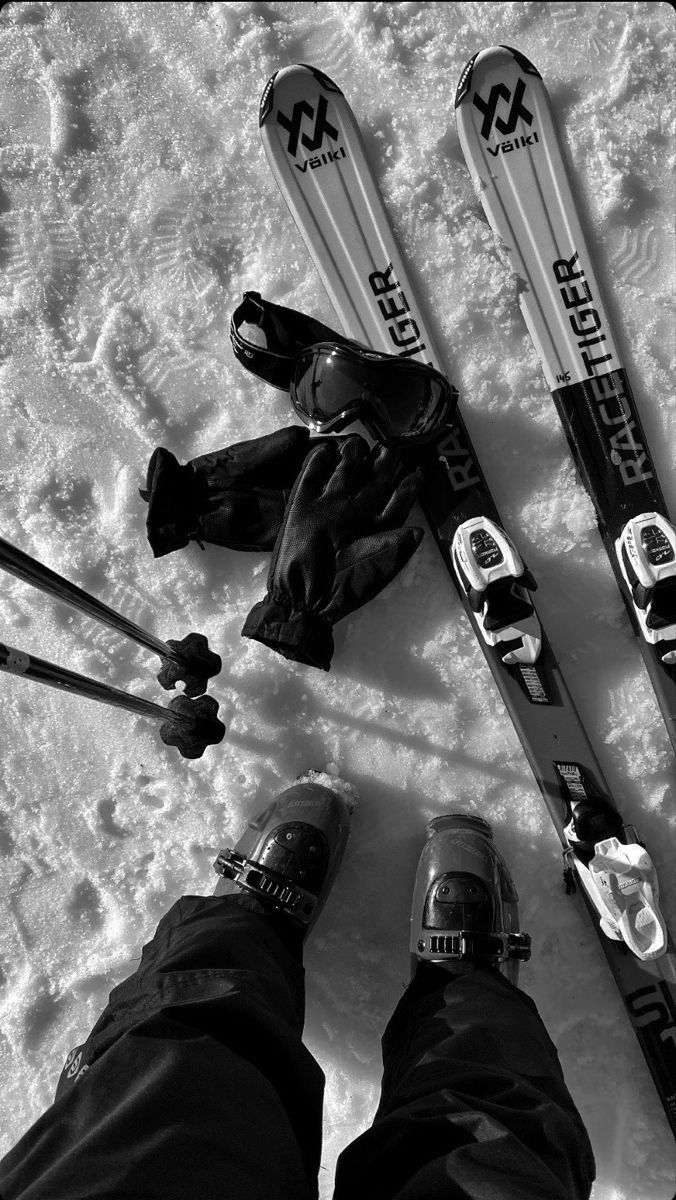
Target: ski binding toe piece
point(498, 585)
point(646, 550)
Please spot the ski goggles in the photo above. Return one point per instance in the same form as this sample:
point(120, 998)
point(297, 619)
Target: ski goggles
point(398, 401)
point(334, 381)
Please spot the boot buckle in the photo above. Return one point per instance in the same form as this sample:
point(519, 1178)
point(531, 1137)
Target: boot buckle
point(466, 945)
point(288, 898)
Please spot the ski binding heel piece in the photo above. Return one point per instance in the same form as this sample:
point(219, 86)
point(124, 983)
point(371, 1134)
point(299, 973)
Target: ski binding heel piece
point(646, 551)
point(267, 885)
point(497, 584)
point(621, 882)
point(626, 880)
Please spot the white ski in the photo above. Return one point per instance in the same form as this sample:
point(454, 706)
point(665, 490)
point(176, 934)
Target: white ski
point(509, 139)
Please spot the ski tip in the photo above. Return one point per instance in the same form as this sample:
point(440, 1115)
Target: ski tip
point(323, 80)
point(465, 80)
point(266, 99)
point(525, 63)
point(292, 75)
point(490, 60)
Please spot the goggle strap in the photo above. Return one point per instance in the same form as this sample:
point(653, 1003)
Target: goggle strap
point(286, 333)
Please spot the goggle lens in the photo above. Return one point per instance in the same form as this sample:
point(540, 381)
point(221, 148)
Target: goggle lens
point(394, 398)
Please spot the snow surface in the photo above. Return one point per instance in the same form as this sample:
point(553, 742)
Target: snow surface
point(136, 207)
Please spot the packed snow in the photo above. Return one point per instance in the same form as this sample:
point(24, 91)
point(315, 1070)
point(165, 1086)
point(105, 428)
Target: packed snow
point(136, 206)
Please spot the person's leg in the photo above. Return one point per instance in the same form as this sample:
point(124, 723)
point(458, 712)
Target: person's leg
point(473, 1102)
point(195, 1081)
point(474, 1105)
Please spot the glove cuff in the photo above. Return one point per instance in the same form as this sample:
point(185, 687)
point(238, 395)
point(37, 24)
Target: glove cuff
point(301, 636)
point(172, 498)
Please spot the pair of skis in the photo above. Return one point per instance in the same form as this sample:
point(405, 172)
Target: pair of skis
point(316, 154)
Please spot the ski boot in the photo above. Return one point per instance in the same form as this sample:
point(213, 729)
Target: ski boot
point(465, 912)
point(288, 856)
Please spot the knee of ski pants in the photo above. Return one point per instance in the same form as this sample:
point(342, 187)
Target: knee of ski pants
point(234, 1032)
point(481, 1016)
point(204, 949)
point(169, 1112)
point(218, 931)
point(467, 1059)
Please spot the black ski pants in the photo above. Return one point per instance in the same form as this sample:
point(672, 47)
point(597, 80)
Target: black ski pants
point(195, 1085)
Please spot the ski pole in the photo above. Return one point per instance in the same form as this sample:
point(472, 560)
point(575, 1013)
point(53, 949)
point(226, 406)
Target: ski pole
point(188, 659)
point(190, 725)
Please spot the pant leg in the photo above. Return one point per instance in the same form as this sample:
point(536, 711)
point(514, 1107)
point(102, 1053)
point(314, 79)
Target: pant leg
point(194, 1081)
point(473, 1103)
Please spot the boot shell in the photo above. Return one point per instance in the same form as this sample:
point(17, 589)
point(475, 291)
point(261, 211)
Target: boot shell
point(289, 854)
point(460, 858)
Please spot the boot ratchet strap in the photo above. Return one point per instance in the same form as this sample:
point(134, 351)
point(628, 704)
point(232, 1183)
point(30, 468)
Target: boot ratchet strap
point(466, 945)
point(267, 885)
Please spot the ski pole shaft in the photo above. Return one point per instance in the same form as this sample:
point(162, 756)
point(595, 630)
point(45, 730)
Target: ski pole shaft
point(42, 577)
point(189, 659)
point(16, 662)
point(190, 725)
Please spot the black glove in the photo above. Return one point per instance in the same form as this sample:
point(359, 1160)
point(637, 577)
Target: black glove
point(340, 544)
point(234, 497)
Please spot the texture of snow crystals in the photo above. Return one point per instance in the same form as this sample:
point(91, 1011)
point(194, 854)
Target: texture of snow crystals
point(136, 206)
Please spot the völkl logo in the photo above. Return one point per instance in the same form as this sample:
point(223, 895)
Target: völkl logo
point(322, 126)
point(517, 111)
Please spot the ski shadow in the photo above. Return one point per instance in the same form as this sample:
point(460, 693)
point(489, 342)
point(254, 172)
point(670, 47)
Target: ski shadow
point(288, 704)
point(368, 643)
point(347, 1012)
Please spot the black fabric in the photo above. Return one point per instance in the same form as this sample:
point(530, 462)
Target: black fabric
point(473, 1102)
point(399, 401)
point(195, 1083)
point(233, 497)
point(280, 334)
point(340, 543)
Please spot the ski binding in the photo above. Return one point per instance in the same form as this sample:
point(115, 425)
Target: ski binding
point(646, 550)
point(621, 882)
point(613, 866)
point(497, 584)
